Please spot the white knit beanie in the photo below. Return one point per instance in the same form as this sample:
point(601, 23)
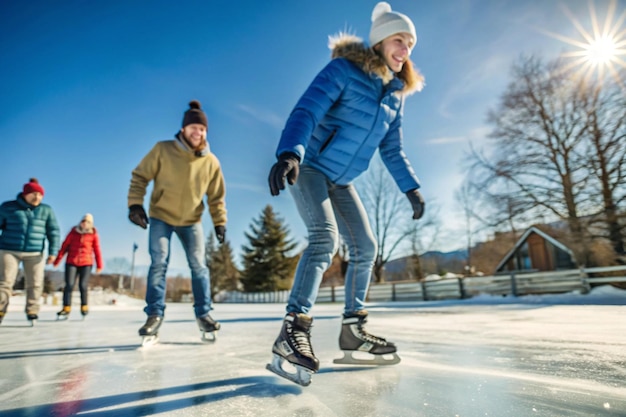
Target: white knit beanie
point(88, 218)
point(386, 23)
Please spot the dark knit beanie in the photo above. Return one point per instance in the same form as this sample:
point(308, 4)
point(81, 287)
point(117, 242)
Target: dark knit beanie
point(195, 115)
point(32, 186)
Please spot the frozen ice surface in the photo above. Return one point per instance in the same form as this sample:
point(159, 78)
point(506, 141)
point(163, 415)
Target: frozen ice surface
point(536, 356)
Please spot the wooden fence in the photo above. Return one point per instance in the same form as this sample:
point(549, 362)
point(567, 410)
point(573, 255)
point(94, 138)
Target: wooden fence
point(514, 284)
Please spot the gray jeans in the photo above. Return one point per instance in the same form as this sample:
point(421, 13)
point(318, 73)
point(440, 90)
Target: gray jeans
point(329, 210)
point(33, 263)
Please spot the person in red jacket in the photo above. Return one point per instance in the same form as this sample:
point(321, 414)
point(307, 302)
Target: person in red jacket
point(81, 244)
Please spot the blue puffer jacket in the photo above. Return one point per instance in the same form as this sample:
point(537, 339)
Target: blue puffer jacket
point(25, 227)
point(352, 108)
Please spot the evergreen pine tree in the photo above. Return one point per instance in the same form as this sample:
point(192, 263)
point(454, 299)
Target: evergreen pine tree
point(222, 269)
point(267, 265)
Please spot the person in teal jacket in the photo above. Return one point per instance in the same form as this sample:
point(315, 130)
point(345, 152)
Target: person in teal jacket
point(352, 109)
point(25, 224)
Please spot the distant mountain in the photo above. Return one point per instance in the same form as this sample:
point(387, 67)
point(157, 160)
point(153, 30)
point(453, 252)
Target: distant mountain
point(457, 255)
point(442, 260)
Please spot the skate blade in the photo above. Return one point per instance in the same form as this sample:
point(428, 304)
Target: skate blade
point(209, 337)
point(371, 359)
point(302, 376)
point(62, 318)
point(148, 341)
point(32, 323)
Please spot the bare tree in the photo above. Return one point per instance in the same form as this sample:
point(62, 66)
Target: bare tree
point(606, 152)
point(390, 215)
point(498, 208)
point(466, 197)
point(539, 130)
point(422, 237)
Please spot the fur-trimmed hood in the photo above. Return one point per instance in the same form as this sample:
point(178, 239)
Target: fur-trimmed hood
point(353, 107)
point(355, 50)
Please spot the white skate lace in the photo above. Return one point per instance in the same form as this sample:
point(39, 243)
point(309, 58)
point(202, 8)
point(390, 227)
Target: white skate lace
point(371, 338)
point(301, 340)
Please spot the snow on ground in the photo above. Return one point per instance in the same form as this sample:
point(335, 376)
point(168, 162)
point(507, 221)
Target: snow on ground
point(558, 355)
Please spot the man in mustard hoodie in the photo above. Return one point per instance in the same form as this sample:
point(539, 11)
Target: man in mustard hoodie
point(184, 171)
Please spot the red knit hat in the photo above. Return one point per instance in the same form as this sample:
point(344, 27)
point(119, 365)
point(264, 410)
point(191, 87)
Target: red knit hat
point(32, 186)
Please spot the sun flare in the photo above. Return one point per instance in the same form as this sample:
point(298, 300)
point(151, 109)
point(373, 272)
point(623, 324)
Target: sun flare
point(600, 51)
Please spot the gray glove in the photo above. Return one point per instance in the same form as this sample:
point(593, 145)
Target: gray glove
point(417, 202)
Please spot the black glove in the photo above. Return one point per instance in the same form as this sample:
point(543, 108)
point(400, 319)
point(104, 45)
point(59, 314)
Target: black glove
point(220, 233)
point(137, 215)
point(417, 202)
point(288, 166)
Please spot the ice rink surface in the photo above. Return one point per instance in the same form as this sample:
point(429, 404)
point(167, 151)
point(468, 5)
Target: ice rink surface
point(543, 356)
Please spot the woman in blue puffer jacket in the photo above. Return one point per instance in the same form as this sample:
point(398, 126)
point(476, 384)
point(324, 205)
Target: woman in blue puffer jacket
point(352, 108)
point(26, 223)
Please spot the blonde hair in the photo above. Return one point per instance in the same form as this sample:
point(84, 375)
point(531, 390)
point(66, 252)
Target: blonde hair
point(413, 79)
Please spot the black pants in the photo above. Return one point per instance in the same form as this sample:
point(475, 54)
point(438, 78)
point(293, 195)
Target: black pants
point(71, 271)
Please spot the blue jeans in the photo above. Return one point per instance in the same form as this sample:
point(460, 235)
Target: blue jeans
point(329, 210)
point(192, 238)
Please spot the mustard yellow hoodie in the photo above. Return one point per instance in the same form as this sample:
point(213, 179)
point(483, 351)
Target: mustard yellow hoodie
point(181, 180)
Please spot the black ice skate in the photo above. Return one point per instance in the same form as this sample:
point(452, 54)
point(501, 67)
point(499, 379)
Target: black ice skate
point(150, 331)
point(208, 327)
point(32, 318)
point(294, 345)
point(64, 314)
point(354, 338)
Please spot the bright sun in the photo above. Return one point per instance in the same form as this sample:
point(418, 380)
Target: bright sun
point(601, 52)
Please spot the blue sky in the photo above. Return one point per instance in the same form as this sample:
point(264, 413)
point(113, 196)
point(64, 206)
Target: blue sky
point(88, 87)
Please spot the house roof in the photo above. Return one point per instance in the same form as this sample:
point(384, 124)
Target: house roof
point(522, 239)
